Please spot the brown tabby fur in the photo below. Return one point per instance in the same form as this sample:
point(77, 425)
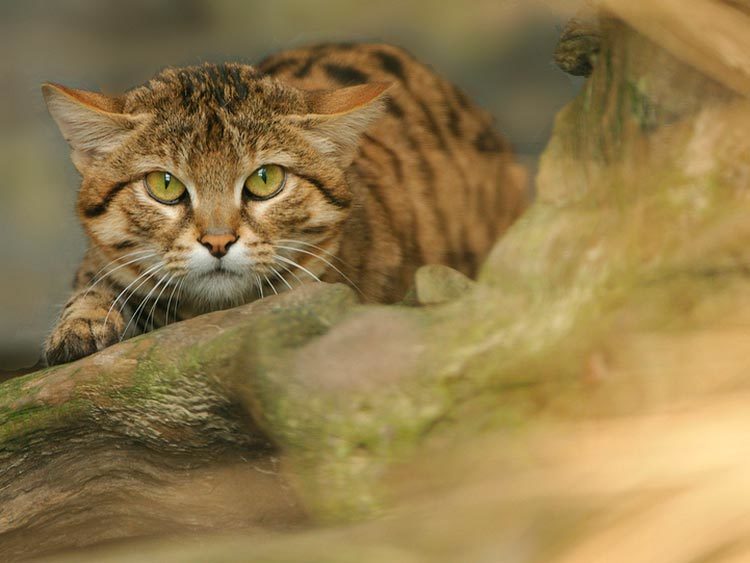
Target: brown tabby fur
point(383, 177)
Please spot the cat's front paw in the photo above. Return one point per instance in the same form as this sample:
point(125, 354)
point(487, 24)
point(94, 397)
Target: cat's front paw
point(76, 338)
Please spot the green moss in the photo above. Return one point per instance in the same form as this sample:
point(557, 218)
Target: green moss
point(18, 387)
point(19, 427)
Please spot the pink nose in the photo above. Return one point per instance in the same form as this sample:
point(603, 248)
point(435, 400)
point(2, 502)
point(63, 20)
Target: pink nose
point(218, 245)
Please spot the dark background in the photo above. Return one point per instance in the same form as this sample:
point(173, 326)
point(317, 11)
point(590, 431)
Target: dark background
point(499, 51)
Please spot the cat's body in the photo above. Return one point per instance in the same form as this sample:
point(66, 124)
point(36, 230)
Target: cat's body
point(376, 183)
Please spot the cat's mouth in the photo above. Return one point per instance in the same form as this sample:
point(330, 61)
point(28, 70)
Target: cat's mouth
point(220, 270)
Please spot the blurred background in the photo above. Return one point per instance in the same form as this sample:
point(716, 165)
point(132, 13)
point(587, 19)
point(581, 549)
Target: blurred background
point(499, 51)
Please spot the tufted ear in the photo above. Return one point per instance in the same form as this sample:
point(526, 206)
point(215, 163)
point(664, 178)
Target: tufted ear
point(91, 123)
point(337, 118)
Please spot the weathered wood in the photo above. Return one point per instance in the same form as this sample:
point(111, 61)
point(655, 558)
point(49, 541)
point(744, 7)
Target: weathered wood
point(144, 438)
point(710, 35)
point(579, 45)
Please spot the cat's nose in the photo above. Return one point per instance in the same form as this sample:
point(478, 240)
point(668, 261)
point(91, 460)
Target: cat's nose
point(218, 245)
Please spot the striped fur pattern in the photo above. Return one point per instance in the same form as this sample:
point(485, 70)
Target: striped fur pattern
point(388, 167)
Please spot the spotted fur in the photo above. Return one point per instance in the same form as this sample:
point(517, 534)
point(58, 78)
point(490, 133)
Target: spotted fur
point(389, 167)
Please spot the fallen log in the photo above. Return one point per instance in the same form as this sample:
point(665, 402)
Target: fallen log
point(144, 438)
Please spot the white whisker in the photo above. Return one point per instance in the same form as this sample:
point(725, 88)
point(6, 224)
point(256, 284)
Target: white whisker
point(140, 306)
point(169, 303)
point(112, 271)
point(144, 282)
point(294, 274)
point(151, 318)
point(255, 284)
point(343, 275)
point(278, 275)
point(270, 284)
point(177, 300)
point(293, 263)
point(123, 257)
point(149, 271)
point(315, 246)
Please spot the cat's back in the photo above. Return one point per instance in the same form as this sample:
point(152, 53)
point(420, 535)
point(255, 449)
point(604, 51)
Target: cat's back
point(438, 184)
point(436, 112)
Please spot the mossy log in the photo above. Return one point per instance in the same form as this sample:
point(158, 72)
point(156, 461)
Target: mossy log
point(582, 401)
point(146, 438)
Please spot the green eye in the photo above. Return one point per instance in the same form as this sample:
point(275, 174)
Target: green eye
point(164, 187)
point(265, 182)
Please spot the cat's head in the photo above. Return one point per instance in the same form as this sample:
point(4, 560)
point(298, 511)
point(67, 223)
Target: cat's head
point(208, 171)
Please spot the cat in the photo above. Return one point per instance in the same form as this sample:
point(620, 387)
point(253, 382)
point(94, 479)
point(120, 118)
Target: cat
point(211, 186)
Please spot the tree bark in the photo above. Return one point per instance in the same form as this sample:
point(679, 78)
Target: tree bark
point(145, 438)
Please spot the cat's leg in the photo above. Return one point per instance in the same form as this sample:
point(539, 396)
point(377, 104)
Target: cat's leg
point(88, 322)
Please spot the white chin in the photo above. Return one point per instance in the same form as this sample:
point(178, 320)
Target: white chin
point(218, 289)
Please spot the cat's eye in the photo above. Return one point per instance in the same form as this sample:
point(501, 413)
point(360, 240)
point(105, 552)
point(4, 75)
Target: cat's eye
point(164, 187)
point(265, 182)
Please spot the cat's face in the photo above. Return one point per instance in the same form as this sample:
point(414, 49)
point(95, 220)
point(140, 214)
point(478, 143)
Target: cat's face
point(215, 176)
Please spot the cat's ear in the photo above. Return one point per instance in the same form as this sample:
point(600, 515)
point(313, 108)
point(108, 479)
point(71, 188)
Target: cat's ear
point(337, 118)
point(91, 123)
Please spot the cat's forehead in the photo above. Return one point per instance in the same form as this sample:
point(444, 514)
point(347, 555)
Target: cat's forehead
point(228, 87)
